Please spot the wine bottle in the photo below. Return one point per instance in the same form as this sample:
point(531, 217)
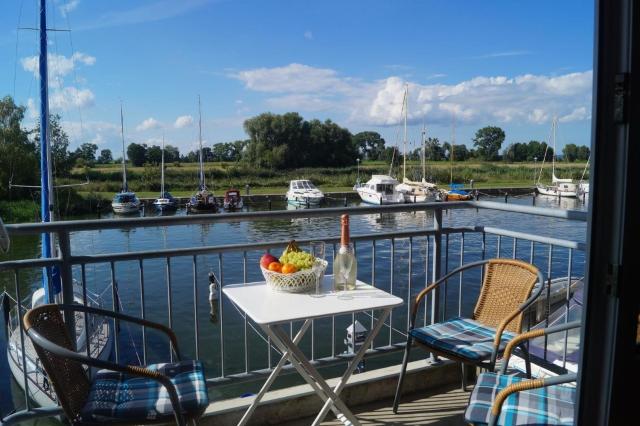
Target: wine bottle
point(345, 267)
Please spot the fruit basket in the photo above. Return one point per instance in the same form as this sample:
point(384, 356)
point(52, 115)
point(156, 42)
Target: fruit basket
point(297, 282)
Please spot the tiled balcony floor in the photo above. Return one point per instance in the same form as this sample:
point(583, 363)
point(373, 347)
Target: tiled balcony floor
point(439, 407)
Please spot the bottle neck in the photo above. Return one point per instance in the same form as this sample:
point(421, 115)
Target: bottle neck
point(344, 235)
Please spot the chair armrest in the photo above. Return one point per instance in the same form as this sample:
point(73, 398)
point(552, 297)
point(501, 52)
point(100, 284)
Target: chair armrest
point(97, 311)
point(522, 386)
point(62, 352)
point(435, 284)
point(533, 334)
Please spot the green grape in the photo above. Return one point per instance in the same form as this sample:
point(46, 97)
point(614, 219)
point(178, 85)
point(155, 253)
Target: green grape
point(301, 259)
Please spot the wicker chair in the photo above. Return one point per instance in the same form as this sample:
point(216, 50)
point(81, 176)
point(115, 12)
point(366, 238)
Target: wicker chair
point(157, 393)
point(510, 399)
point(497, 318)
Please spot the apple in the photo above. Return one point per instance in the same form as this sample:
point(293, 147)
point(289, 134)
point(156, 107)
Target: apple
point(266, 259)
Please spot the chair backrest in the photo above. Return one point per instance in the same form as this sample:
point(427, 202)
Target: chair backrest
point(507, 284)
point(68, 377)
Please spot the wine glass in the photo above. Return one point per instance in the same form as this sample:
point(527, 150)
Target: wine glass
point(318, 252)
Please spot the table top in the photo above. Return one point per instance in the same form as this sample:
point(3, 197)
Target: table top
point(266, 306)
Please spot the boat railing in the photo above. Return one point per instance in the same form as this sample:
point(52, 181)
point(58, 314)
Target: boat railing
point(415, 257)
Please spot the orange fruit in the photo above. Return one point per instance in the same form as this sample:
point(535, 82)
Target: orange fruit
point(289, 268)
point(275, 267)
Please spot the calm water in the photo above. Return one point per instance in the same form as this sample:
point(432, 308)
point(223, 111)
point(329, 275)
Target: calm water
point(230, 271)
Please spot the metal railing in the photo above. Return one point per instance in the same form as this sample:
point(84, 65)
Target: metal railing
point(440, 249)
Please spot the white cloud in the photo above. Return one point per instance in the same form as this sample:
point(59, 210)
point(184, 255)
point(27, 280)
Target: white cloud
point(69, 6)
point(71, 97)
point(481, 100)
point(148, 124)
point(59, 66)
point(308, 35)
point(183, 121)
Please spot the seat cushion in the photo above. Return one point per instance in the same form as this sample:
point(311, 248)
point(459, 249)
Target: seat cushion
point(548, 405)
point(117, 396)
point(462, 337)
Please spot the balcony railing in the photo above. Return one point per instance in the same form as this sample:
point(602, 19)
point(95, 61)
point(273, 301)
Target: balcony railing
point(234, 350)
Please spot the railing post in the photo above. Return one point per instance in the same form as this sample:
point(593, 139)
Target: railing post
point(436, 270)
point(66, 278)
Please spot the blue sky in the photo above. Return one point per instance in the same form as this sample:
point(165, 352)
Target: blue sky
point(513, 64)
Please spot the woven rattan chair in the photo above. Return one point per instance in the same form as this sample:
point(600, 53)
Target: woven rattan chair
point(512, 400)
point(157, 393)
point(497, 318)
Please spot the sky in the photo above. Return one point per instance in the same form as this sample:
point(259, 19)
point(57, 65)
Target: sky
point(512, 64)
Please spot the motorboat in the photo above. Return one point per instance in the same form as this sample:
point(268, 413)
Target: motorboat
point(380, 189)
point(304, 193)
point(232, 200)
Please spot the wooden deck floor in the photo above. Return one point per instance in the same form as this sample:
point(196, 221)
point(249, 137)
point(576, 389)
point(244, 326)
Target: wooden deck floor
point(441, 407)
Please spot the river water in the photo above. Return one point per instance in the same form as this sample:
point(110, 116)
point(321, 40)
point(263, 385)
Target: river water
point(233, 360)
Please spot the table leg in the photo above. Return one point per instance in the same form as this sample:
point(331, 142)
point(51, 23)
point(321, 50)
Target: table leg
point(297, 356)
point(354, 362)
point(272, 377)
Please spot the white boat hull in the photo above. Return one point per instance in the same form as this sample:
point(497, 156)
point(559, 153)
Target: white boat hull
point(233, 206)
point(380, 199)
point(566, 190)
point(125, 208)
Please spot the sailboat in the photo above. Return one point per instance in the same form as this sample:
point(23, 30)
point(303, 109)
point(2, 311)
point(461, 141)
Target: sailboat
point(202, 201)
point(124, 202)
point(558, 187)
point(165, 202)
point(455, 191)
point(414, 192)
point(21, 356)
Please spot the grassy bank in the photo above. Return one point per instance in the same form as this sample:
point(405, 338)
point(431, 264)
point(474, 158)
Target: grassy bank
point(181, 179)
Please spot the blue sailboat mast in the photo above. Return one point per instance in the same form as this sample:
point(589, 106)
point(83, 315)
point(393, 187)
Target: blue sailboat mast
point(51, 287)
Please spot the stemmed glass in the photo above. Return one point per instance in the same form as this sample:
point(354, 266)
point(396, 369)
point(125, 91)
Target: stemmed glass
point(318, 252)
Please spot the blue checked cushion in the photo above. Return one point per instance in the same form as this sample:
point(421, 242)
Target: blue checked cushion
point(118, 396)
point(549, 405)
point(463, 337)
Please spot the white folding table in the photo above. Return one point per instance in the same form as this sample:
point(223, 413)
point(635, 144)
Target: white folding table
point(272, 310)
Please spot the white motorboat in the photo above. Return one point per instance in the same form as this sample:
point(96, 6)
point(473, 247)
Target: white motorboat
point(304, 193)
point(233, 200)
point(124, 202)
point(380, 189)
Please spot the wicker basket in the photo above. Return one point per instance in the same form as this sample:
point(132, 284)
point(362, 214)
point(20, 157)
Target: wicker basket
point(298, 282)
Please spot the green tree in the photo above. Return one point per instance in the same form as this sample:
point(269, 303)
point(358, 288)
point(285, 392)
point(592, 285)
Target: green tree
point(433, 150)
point(18, 155)
point(86, 151)
point(136, 153)
point(369, 145)
point(153, 155)
point(460, 152)
point(516, 152)
point(488, 142)
point(570, 152)
point(105, 156)
point(583, 153)
point(59, 143)
point(171, 154)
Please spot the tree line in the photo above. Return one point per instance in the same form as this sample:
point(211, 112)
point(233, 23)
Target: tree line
point(275, 141)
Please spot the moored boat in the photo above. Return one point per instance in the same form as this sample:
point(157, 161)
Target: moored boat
point(124, 202)
point(456, 193)
point(303, 192)
point(165, 202)
point(380, 189)
point(232, 200)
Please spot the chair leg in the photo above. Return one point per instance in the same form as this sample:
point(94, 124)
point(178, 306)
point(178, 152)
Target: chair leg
point(403, 370)
point(527, 360)
point(464, 376)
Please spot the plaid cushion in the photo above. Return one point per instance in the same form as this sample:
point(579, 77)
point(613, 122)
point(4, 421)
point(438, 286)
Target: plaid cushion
point(463, 337)
point(549, 405)
point(118, 396)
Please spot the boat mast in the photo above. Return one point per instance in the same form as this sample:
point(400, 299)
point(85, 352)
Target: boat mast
point(162, 171)
point(51, 288)
point(453, 142)
point(405, 105)
point(203, 185)
point(554, 125)
point(125, 187)
point(424, 160)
